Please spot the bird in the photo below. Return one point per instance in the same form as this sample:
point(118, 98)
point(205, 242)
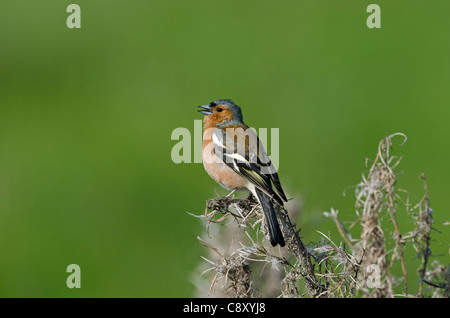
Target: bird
point(235, 158)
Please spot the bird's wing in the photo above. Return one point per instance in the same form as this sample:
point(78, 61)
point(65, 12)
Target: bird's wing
point(241, 150)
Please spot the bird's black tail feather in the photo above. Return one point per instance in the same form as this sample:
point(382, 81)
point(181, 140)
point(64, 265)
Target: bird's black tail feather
point(276, 237)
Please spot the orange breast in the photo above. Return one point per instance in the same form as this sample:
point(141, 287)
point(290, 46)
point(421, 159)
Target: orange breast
point(218, 170)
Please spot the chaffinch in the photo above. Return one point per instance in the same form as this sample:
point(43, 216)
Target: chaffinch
point(235, 158)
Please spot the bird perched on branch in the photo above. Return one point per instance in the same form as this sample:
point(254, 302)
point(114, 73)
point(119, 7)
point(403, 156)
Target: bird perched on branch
point(236, 159)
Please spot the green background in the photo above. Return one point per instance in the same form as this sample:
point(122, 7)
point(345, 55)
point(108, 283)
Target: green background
point(86, 117)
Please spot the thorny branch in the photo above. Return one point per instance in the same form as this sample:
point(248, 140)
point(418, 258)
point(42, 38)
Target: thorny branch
point(323, 266)
point(376, 196)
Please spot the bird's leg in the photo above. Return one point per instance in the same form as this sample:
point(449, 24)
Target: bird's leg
point(251, 198)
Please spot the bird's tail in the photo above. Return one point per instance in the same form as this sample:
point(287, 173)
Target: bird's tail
point(276, 237)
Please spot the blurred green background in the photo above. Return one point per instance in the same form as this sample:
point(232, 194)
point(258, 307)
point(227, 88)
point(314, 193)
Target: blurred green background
point(86, 117)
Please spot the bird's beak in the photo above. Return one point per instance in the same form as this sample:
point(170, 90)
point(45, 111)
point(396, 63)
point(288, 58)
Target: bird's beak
point(206, 110)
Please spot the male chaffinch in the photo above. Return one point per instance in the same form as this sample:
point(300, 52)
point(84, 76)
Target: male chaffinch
point(235, 158)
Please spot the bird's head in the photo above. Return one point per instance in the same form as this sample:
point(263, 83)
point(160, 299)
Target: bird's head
point(221, 113)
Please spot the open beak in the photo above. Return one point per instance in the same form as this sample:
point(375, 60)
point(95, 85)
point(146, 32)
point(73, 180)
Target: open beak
point(206, 110)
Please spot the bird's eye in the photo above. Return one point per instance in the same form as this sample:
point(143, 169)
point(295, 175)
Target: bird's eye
point(219, 109)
